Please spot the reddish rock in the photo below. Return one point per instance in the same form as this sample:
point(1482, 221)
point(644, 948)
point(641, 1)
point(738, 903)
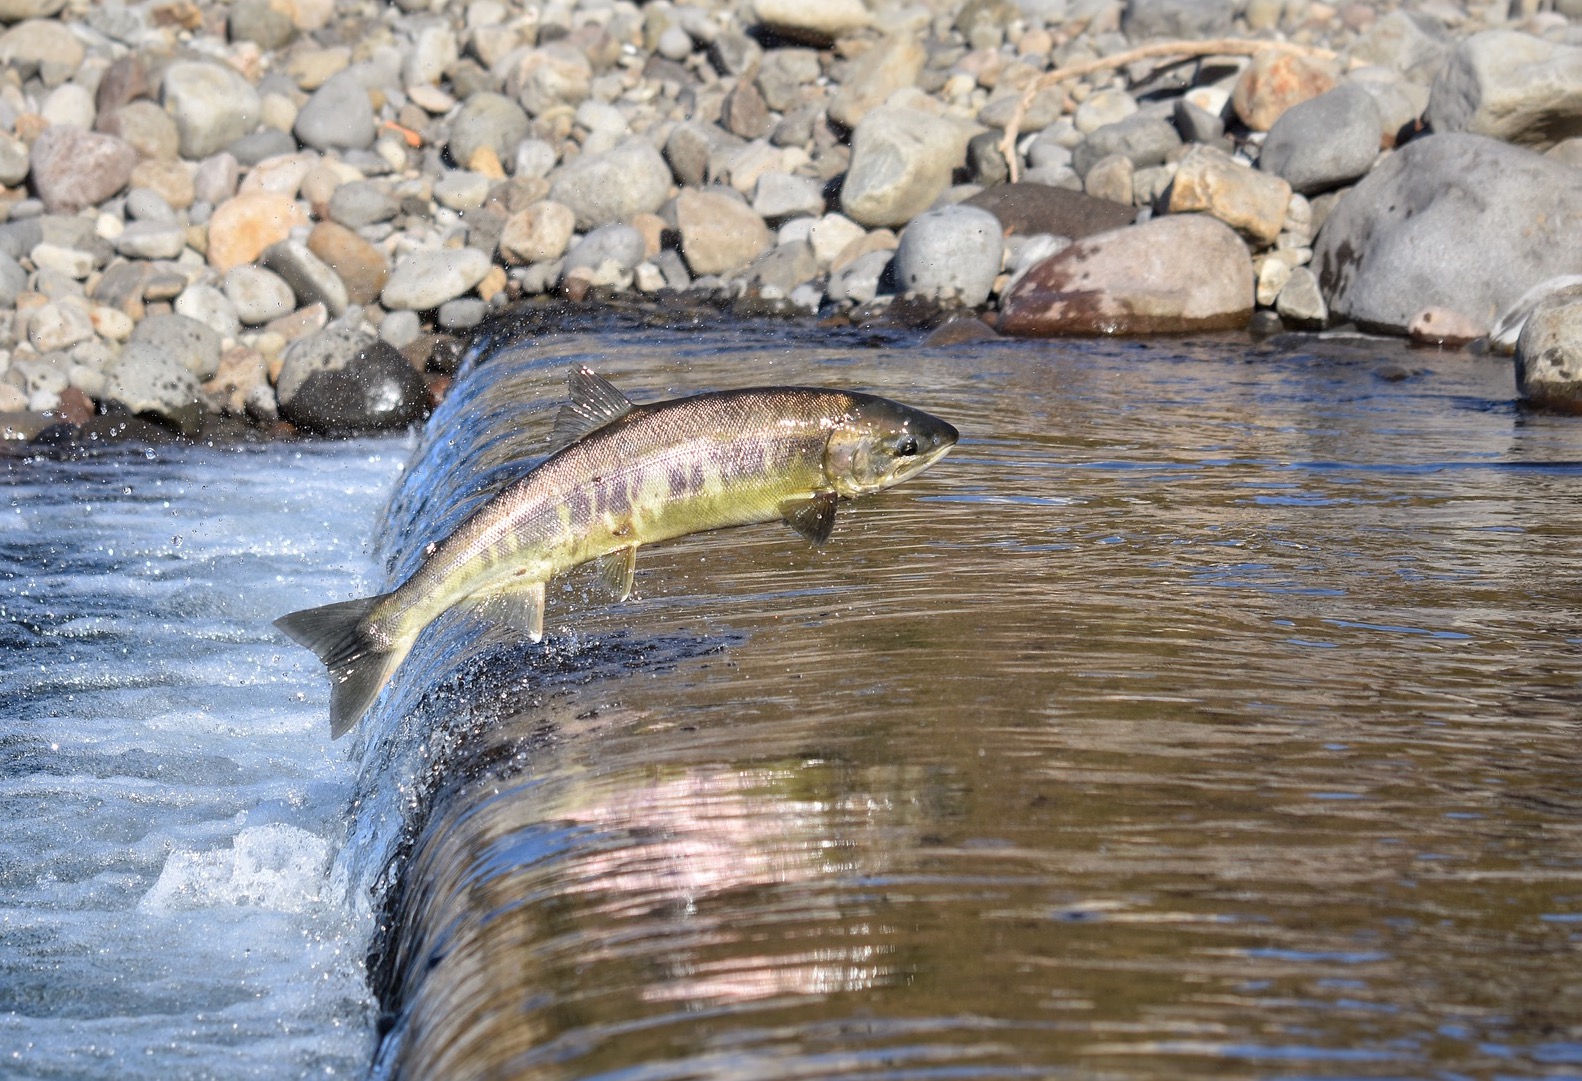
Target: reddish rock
point(72, 168)
point(361, 265)
point(1444, 326)
point(1275, 81)
point(1168, 275)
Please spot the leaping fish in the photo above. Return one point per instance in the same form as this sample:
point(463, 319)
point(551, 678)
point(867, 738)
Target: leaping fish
point(622, 476)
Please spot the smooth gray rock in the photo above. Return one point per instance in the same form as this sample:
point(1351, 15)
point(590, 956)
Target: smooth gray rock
point(146, 204)
point(1301, 301)
point(1413, 43)
point(693, 150)
point(1197, 125)
point(785, 75)
point(339, 115)
point(14, 161)
point(1324, 142)
point(400, 328)
point(193, 345)
point(362, 203)
point(341, 380)
point(1549, 352)
point(860, 280)
point(611, 187)
point(207, 305)
point(213, 106)
point(1143, 139)
point(901, 161)
point(1449, 221)
point(311, 279)
point(463, 313)
point(151, 240)
point(780, 270)
point(426, 279)
point(13, 279)
point(951, 255)
point(1509, 86)
point(257, 21)
point(1177, 18)
point(780, 196)
point(487, 119)
point(146, 379)
point(620, 244)
point(258, 295)
point(260, 145)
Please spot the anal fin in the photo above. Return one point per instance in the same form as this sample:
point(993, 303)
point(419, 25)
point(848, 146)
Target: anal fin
point(813, 517)
point(617, 570)
point(518, 606)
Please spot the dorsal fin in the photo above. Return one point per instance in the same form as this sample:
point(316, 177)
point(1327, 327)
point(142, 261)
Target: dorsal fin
point(595, 402)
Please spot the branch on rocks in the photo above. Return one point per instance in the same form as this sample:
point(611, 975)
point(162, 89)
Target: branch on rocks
point(1181, 50)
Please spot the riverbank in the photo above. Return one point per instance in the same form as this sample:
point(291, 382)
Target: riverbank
point(284, 215)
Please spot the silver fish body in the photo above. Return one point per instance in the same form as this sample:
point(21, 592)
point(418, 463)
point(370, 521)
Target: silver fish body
point(627, 475)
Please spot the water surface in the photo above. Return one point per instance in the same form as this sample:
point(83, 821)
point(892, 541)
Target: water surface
point(1212, 711)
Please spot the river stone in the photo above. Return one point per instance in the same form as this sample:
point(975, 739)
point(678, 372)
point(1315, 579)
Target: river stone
point(1111, 178)
point(614, 186)
point(894, 63)
point(1453, 221)
point(1510, 86)
point(207, 305)
point(901, 161)
point(13, 279)
point(1177, 18)
point(341, 381)
point(487, 119)
point(1211, 181)
point(719, 233)
point(361, 267)
point(258, 295)
point(1549, 352)
point(814, 22)
point(860, 280)
point(361, 203)
point(777, 272)
point(426, 279)
point(257, 21)
point(1038, 209)
point(242, 227)
point(73, 169)
point(619, 244)
point(212, 104)
point(44, 44)
point(59, 325)
point(190, 343)
point(338, 116)
point(146, 379)
point(1143, 139)
point(1168, 275)
point(16, 10)
point(951, 254)
point(151, 240)
point(785, 74)
point(14, 161)
point(215, 179)
point(1277, 80)
point(1412, 43)
point(782, 196)
point(433, 49)
point(311, 279)
point(539, 233)
point(1324, 142)
point(69, 104)
point(261, 145)
point(545, 78)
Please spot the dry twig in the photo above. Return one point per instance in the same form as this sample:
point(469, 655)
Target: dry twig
point(1183, 50)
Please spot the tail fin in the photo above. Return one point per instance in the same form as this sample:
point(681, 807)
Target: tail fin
point(358, 668)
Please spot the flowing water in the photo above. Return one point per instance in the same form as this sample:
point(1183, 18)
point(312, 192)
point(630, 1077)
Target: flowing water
point(1211, 711)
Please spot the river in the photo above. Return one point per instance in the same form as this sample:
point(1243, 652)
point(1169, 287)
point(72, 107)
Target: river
point(1211, 711)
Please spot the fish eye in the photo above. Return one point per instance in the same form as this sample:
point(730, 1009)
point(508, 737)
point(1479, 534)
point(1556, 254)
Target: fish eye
point(907, 447)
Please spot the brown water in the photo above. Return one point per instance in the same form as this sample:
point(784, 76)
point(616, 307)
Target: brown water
point(1212, 711)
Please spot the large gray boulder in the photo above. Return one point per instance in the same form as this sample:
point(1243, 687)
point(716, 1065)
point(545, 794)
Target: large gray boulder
point(901, 160)
point(1512, 87)
point(1549, 352)
point(1449, 221)
point(951, 254)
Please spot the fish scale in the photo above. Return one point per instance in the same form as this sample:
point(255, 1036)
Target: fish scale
point(625, 476)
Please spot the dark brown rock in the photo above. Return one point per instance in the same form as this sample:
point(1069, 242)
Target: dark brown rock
point(1031, 209)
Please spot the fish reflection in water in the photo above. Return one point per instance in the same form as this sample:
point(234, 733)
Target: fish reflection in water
point(1077, 758)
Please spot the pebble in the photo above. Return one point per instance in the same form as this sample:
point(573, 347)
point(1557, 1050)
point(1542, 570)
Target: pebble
point(539, 233)
point(901, 161)
point(246, 224)
point(151, 240)
point(607, 188)
point(621, 245)
point(490, 120)
point(205, 304)
point(1275, 81)
point(361, 266)
point(190, 343)
point(337, 116)
point(74, 169)
point(816, 22)
point(892, 64)
point(146, 379)
point(1211, 181)
point(212, 105)
point(1143, 139)
point(426, 279)
point(782, 196)
point(311, 279)
point(258, 295)
point(719, 233)
point(362, 203)
point(950, 255)
point(1324, 142)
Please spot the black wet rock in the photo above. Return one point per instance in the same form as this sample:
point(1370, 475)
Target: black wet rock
point(374, 390)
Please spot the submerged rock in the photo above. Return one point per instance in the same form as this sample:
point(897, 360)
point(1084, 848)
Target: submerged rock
point(1549, 352)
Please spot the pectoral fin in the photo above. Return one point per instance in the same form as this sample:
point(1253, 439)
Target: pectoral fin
point(520, 607)
point(813, 517)
point(595, 402)
point(617, 569)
